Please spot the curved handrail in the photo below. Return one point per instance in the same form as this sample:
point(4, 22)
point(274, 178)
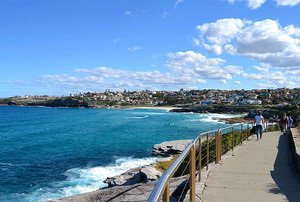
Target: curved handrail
point(161, 185)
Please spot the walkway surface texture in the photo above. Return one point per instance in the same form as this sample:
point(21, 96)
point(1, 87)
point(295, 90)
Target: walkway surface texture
point(259, 171)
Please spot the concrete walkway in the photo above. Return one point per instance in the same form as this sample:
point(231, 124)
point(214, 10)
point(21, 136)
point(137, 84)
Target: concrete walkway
point(259, 171)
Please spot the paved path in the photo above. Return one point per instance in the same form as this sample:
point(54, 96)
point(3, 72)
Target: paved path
point(259, 171)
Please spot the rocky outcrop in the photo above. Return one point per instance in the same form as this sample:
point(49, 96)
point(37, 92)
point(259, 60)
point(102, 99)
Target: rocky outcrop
point(135, 192)
point(127, 178)
point(138, 175)
point(149, 173)
point(170, 147)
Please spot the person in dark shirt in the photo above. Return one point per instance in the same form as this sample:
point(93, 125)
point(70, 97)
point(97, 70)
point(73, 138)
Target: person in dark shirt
point(284, 121)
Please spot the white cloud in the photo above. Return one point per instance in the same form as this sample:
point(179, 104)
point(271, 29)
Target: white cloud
point(165, 14)
point(196, 42)
point(274, 79)
point(196, 64)
point(186, 69)
point(233, 70)
point(263, 85)
point(177, 2)
point(273, 76)
point(287, 2)
point(181, 60)
point(135, 48)
point(292, 30)
point(254, 4)
point(237, 82)
point(215, 49)
point(264, 41)
point(128, 13)
point(223, 81)
point(261, 69)
point(230, 49)
point(294, 75)
point(221, 31)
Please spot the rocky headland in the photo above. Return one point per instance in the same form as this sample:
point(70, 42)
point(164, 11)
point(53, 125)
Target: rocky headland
point(136, 184)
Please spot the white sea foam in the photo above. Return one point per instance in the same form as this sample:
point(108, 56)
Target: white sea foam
point(213, 117)
point(81, 180)
point(12, 164)
point(151, 113)
point(138, 117)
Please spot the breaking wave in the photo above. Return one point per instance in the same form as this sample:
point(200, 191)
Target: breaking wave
point(81, 180)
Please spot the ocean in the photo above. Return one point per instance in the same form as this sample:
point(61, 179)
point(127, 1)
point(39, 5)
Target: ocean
point(48, 153)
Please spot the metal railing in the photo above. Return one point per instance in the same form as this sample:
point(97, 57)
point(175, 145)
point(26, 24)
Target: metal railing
point(211, 146)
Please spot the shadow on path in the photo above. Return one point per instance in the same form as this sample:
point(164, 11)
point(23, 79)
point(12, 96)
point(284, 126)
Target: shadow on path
point(287, 182)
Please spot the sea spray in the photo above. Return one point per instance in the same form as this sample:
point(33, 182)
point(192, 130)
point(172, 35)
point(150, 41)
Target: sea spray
point(81, 180)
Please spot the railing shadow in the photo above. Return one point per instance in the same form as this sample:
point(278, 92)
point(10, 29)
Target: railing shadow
point(287, 182)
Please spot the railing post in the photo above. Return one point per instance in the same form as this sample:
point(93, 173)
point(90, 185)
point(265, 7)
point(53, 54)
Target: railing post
point(200, 159)
point(232, 136)
point(217, 147)
point(207, 150)
point(242, 138)
point(166, 195)
point(220, 144)
point(192, 174)
point(247, 130)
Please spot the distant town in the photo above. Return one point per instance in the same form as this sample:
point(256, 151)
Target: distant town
point(276, 97)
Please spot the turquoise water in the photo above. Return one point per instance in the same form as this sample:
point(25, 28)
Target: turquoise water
point(48, 153)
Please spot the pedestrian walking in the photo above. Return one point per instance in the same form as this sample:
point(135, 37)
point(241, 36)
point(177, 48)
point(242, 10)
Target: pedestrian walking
point(259, 121)
point(284, 121)
point(290, 122)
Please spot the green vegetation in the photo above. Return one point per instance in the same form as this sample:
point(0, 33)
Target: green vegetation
point(5, 100)
point(163, 166)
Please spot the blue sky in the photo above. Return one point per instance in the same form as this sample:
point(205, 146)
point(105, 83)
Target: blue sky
point(58, 47)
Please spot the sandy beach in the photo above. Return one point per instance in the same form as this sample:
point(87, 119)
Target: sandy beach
point(166, 108)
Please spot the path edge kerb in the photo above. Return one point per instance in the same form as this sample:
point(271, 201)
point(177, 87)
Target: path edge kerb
point(295, 145)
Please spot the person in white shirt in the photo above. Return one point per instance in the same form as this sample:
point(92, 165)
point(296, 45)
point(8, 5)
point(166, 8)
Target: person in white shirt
point(259, 121)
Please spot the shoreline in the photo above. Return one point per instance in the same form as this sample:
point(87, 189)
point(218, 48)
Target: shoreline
point(165, 108)
point(169, 108)
point(94, 107)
